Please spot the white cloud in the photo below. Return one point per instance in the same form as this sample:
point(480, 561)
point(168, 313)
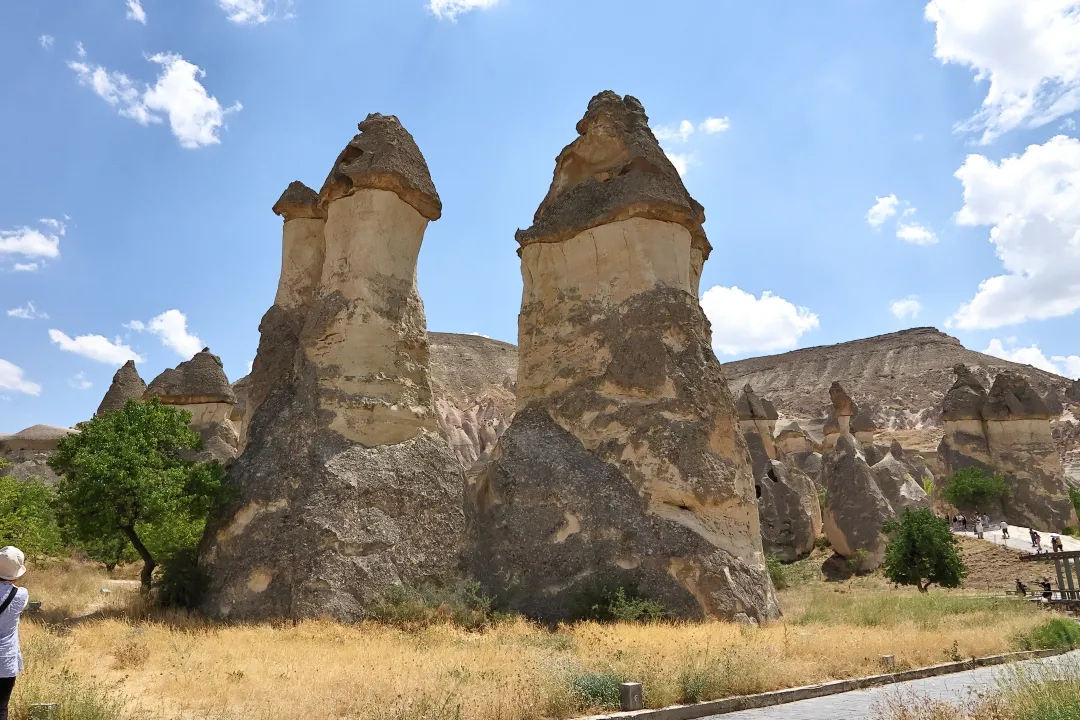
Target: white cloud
point(11, 378)
point(96, 347)
point(171, 327)
point(1024, 355)
point(1032, 203)
point(254, 12)
point(33, 243)
point(27, 312)
point(46, 41)
point(1068, 125)
point(1029, 50)
point(195, 117)
point(451, 9)
point(25, 267)
point(79, 382)
point(884, 208)
point(681, 161)
point(915, 233)
point(135, 11)
point(79, 49)
point(909, 307)
point(1070, 365)
point(679, 134)
point(742, 323)
point(711, 125)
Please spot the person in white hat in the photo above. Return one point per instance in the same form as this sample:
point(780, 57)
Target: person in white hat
point(13, 601)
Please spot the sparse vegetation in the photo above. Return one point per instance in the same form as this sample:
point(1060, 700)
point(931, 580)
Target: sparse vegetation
point(922, 551)
point(776, 572)
point(1075, 495)
point(973, 489)
point(1056, 633)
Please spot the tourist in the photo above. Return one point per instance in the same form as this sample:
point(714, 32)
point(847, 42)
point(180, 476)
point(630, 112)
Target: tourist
point(986, 521)
point(963, 522)
point(1034, 535)
point(978, 527)
point(1047, 591)
point(13, 601)
point(1005, 530)
point(1055, 543)
point(1021, 588)
point(1038, 542)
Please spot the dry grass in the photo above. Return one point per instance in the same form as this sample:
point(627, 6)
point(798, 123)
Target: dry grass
point(179, 667)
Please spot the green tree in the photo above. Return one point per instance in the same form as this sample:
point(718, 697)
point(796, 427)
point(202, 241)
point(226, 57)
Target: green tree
point(973, 488)
point(1075, 496)
point(126, 473)
point(922, 551)
point(28, 516)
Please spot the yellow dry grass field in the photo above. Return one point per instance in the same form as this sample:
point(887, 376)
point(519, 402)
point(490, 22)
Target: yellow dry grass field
point(178, 667)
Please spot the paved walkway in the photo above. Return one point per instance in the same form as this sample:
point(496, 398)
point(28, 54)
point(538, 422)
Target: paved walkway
point(860, 704)
point(1020, 539)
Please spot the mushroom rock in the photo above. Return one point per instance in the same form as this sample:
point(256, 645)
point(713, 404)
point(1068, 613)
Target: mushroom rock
point(899, 481)
point(303, 248)
point(345, 489)
point(964, 441)
point(855, 507)
point(126, 385)
point(839, 418)
point(863, 426)
point(793, 439)
point(624, 465)
point(29, 450)
point(1022, 448)
point(200, 387)
point(789, 510)
point(757, 422)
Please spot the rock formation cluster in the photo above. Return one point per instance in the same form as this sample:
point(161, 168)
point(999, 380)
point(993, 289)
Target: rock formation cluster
point(624, 465)
point(1007, 431)
point(345, 488)
point(28, 451)
point(200, 387)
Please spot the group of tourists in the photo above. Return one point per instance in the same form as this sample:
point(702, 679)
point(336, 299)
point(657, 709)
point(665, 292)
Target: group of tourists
point(1056, 545)
point(1047, 588)
point(980, 525)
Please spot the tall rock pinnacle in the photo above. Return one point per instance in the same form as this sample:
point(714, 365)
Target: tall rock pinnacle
point(345, 488)
point(126, 385)
point(625, 465)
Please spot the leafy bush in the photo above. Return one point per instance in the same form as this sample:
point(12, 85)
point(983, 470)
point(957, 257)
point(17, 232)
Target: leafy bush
point(621, 604)
point(464, 605)
point(1070, 531)
point(183, 583)
point(596, 689)
point(1057, 633)
point(28, 516)
point(973, 489)
point(922, 551)
point(776, 572)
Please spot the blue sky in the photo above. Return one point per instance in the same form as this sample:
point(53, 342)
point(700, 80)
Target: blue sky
point(852, 158)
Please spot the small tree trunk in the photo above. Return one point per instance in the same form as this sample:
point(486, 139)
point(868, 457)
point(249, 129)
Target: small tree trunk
point(924, 587)
point(147, 558)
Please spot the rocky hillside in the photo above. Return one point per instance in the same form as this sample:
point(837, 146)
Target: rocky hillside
point(902, 376)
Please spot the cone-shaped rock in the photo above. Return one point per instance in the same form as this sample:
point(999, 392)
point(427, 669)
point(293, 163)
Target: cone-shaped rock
point(200, 387)
point(126, 385)
point(855, 507)
point(900, 481)
point(757, 420)
point(790, 512)
point(624, 466)
point(345, 489)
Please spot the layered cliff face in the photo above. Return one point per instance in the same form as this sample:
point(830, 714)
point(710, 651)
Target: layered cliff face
point(1007, 431)
point(624, 465)
point(345, 489)
point(126, 385)
point(29, 450)
point(200, 387)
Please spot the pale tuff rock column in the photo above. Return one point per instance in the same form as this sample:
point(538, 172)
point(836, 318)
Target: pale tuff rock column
point(757, 421)
point(964, 442)
point(346, 490)
point(624, 465)
point(303, 249)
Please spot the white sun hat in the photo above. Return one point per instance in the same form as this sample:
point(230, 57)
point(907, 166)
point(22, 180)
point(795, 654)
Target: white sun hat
point(12, 565)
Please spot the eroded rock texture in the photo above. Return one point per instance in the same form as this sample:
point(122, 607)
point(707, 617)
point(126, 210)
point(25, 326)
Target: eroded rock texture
point(855, 507)
point(126, 385)
point(789, 510)
point(29, 450)
point(625, 464)
point(1007, 431)
point(200, 387)
point(345, 489)
point(757, 421)
point(900, 481)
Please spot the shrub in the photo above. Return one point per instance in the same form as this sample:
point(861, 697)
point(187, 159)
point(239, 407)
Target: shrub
point(1075, 496)
point(621, 604)
point(1070, 531)
point(1057, 633)
point(972, 488)
point(922, 551)
point(183, 583)
point(28, 516)
point(776, 572)
point(596, 689)
point(464, 605)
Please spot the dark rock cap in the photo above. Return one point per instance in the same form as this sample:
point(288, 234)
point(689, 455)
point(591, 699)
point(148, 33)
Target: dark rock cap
point(966, 397)
point(896, 450)
point(298, 201)
point(752, 407)
point(126, 385)
point(794, 429)
point(384, 156)
point(1012, 398)
point(841, 401)
point(198, 380)
point(614, 171)
point(863, 420)
point(1053, 401)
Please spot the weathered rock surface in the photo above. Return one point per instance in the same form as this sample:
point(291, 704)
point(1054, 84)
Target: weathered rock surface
point(1072, 392)
point(200, 387)
point(126, 385)
point(1052, 398)
point(28, 450)
point(793, 439)
point(625, 464)
point(855, 507)
point(345, 489)
point(789, 510)
point(900, 481)
point(757, 421)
